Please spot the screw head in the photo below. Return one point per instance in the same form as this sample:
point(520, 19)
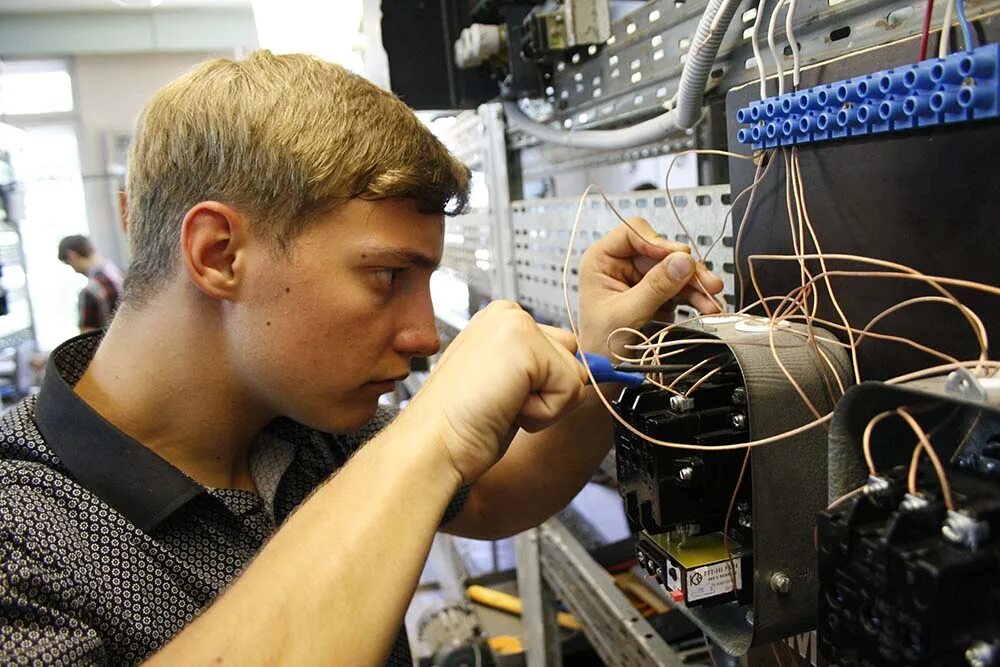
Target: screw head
point(739, 420)
point(982, 654)
point(781, 583)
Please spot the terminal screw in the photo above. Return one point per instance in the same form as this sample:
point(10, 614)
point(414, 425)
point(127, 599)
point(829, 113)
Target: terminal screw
point(780, 583)
point(685, 474)
point(981, 654)
point(743, 516)
point(911, 503)
point(739, 396)
point(681, 403)
point(739, 420)
point(876, 485)
point(963, 529)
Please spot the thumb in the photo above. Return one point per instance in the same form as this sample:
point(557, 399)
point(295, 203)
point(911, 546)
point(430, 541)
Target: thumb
point(661, 283)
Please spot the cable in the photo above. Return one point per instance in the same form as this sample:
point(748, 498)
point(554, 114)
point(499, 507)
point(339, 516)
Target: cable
point(945, 42)
point(755, 43)
point(774, 48)
point(793, 43)
point(925, 35)
point(963, 21)
point(925, 445)
point(729, 515)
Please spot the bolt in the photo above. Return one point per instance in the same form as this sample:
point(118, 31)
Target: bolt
point(743, 516)
point(911, 503)
point(780, 583)
point(982, 654)
point(681, 403)
point(963, 529)
point(876, 485)
point(685, 474)
point(739, 420)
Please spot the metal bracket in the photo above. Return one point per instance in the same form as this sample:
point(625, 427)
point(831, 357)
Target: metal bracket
point(617, 632)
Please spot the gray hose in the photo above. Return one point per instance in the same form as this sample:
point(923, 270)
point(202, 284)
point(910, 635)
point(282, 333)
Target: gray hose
point(698, 67)
point(626, 137)
point(686, 114)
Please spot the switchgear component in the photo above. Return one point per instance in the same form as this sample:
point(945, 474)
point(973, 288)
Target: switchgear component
point(904, 580)
point(769, 510)
point(697, 570)
point(962, 87)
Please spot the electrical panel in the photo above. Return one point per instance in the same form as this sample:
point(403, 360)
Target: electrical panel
point(841, 150)
point(715, 531)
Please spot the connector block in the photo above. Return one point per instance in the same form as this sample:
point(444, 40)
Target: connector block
point(962, 87)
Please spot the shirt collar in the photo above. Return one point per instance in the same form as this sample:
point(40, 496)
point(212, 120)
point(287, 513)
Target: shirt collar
point(125, 474)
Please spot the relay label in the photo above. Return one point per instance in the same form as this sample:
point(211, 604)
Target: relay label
point(711, 580)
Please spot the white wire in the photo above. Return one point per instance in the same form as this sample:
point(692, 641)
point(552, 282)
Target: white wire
point(792, 42)
point(944, 45)
point(755, 43)
point(774, 47)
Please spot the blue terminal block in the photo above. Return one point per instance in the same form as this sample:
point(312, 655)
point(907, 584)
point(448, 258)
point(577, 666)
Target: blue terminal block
point(962, 87)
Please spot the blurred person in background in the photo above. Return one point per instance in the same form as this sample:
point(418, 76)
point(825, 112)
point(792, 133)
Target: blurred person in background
point(99, 299)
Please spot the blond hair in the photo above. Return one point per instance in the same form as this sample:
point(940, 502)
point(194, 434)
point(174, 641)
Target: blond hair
point(283, 139)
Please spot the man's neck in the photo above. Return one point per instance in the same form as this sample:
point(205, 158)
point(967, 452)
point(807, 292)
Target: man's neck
point(161, 375)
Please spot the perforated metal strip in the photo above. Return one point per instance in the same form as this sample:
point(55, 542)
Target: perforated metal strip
point(542, 230)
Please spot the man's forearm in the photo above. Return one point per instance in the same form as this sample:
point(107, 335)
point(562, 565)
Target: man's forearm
point(539, 474)
point(333, 584)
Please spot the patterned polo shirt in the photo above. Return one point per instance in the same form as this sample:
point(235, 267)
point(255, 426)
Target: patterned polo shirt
point(107, 550)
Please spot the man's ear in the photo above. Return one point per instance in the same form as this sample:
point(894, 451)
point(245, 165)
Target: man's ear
point(213, 242)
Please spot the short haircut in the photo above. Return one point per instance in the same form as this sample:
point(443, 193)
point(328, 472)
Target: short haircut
point(281, 138)
point(81, 245)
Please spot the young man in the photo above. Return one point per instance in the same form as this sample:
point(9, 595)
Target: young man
point(99, 299)
point(284, 218)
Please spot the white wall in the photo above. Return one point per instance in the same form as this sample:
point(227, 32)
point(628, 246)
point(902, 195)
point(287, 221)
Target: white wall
point(132, 31)
point(111, 91)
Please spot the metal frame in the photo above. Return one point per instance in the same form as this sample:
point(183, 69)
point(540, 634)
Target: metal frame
point(639, 67)
point(616, 631)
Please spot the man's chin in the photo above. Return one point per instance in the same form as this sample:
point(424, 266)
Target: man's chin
point(351, 417)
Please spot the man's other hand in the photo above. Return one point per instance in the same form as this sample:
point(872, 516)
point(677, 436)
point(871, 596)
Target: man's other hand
point(627, 280)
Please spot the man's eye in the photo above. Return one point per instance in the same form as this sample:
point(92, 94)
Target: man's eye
point(386, 276)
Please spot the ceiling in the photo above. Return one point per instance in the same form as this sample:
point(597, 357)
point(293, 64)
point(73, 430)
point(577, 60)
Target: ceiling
point(53, 6)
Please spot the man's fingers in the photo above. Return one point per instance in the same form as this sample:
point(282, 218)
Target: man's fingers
point(636, 238)
point(660, 284)
point(693, 296)
point(711, 282)
point(563, 338)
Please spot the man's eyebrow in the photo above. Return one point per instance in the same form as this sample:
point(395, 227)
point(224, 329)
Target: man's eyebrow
point(410, 256)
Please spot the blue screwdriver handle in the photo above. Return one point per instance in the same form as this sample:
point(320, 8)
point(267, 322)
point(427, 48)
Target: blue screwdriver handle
point(604, 371)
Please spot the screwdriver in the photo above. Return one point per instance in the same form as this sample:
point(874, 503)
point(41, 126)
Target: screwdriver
point(604, 371)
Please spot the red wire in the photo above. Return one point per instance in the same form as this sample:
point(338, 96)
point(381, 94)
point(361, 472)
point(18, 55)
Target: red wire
point(927, 29)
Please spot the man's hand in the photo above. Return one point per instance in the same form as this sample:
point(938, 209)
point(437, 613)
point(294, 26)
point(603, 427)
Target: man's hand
point(627, 281)
point(503, 372)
